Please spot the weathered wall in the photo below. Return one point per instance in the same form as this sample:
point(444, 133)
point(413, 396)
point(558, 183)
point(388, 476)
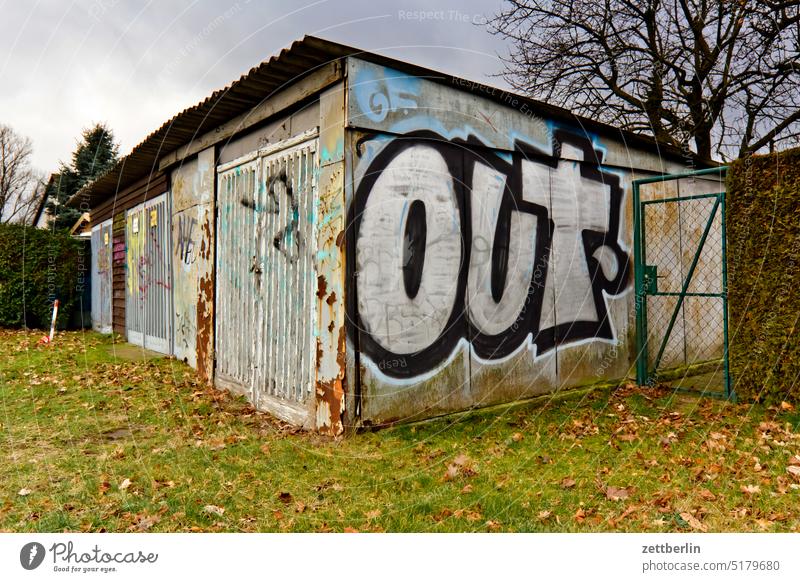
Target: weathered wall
point(489, 249)
point(192, 188)
point(114, 209)
point(331, 380)
point(271, 132)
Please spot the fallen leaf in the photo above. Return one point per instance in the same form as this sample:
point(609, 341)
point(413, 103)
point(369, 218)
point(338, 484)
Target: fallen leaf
point(451, 472)
point(467, 488)
point(793, 470)
point(517, 436)
point(545, 514)
point(24, 492)
point(285, 497)
point(350, 530)
point(567, 483)
point(493, 525)
point(214, 510)
point(375, 513)
point(786, 406)
point(616, 493)
point(125, 484)
point(693, 522)
point(145, 522)
point(750, 489)
point(706, 495)
point(461, 460)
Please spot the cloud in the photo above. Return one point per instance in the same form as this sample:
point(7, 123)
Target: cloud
point(135, 64)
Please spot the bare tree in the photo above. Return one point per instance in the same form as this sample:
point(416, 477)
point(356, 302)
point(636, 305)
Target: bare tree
point(724, 74)
point(21, 186)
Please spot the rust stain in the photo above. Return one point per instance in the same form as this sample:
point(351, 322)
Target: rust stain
point(205, 301)
point(322, 287)
point(331, 298)
point(340, 239)
point(330, 327)
point(330, 395)
point(319, 353)
point(205, 243)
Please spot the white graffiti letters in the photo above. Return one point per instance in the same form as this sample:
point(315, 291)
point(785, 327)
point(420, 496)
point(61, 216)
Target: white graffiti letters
point(452, 243)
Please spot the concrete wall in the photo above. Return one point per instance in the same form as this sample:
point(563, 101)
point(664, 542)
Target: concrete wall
point(490, 249)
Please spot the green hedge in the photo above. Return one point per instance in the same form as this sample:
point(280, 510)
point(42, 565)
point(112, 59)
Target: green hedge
point(763, 230)
point(36, 267)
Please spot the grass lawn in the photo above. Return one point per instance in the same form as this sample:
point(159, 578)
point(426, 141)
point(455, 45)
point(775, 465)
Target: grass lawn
point(94, 439)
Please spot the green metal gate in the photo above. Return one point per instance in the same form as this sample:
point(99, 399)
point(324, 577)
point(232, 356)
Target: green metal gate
point(681, 279)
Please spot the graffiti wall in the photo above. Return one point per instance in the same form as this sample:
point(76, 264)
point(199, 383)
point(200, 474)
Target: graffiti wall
point(102, 245)
point(489, 249)
point(192, 260)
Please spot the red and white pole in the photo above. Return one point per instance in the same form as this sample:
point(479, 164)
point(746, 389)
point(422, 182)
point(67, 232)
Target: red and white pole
point(53, 321)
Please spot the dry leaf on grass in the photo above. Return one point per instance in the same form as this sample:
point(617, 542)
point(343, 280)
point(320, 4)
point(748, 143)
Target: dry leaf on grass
point(750, 489)
point(24, 492)
point(214, 510)
point(706, 495)
point(567, 483)
point(125, 484)
point(616, 493)
point(693, 522)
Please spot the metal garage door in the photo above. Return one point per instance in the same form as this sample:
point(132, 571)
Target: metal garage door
point(265, 275)
point(101, 277)
point(148, 289)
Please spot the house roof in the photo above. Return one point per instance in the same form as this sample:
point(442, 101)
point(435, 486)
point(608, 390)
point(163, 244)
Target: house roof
point(43, 201)
point(281, 70)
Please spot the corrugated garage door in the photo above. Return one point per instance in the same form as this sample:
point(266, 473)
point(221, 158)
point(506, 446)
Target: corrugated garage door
point(266, 277)
point(148, 289)
point(101, 277)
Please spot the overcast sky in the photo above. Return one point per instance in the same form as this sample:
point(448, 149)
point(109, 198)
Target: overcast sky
point(134, 64)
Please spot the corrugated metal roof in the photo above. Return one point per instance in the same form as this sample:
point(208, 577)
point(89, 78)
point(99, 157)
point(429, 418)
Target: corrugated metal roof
point(301, 58)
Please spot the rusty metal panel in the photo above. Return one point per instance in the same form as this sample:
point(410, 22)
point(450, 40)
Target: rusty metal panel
point(331, 414)
point(148, 308)
point(266, 278)
point(192, 186)
point(102, 291)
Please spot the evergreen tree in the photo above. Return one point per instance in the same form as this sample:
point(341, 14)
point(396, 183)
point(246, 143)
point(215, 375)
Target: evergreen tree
point(96, 154)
